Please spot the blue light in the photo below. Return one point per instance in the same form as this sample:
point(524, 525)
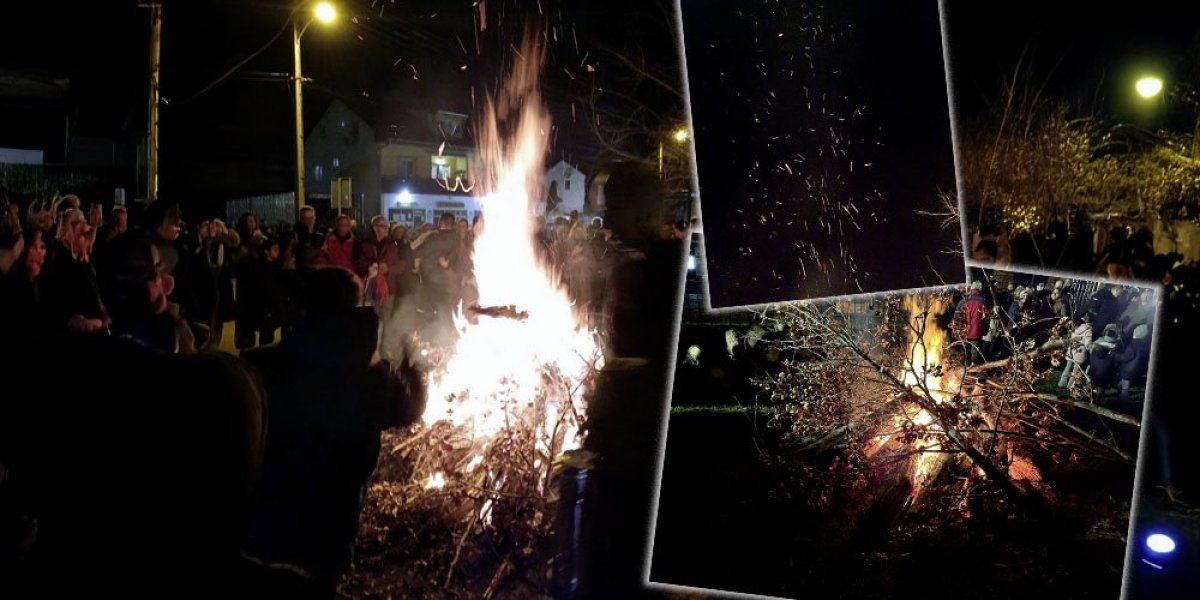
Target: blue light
point(1160, 543)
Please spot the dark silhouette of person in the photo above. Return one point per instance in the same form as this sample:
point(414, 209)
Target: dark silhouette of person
point(136, 461)
point(330, 400)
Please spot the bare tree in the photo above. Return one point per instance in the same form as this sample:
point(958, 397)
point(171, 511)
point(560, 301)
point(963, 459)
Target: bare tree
point(634, 102)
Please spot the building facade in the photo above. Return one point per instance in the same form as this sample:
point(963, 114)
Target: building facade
point(342, 145)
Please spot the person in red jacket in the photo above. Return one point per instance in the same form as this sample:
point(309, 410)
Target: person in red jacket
point(340, 246)
point(377, 257)
point(973, 312)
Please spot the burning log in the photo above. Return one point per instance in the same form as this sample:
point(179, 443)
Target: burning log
point(499, 312)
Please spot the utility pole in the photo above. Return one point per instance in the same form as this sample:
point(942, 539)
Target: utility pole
point(152, 127)
point(298, 84)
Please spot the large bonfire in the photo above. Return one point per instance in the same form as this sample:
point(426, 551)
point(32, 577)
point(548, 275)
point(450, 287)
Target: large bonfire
point(896, 403)
point(464, 500)
point(929, 386)
point(890, 452)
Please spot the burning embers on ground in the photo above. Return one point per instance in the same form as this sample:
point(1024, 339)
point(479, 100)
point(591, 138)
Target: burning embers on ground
point(465, 500)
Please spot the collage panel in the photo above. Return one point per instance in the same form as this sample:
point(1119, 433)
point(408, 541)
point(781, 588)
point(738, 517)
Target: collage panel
point(964, 441)
point(823, 148)
point(1077, 137)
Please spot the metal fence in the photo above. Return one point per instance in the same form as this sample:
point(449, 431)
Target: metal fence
point(24, 182)
point(271, 209)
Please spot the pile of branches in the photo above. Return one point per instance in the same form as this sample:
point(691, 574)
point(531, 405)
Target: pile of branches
point(449, 515)
point(992, 426)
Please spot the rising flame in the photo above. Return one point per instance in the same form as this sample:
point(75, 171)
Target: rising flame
point(497, 367)
point(922, 372)
point(927, 340)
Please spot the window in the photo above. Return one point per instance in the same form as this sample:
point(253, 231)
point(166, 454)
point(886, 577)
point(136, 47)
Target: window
point(336, 163)
point(566, 184)
point(318, 173)
point(408, 167)
point(441, 168)
point(448, 167)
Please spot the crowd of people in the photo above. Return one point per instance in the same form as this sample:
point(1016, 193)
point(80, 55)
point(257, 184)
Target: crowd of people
point(139, 447)
point(137, 454)
point(1120, 252)
point(1110, 328)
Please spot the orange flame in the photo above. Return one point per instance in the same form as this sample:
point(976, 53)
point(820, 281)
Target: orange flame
point(497, 366)
point(922, 372)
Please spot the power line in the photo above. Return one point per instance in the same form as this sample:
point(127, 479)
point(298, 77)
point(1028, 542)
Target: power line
point(242, 62)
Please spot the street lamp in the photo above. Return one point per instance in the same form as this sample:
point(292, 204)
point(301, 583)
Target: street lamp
point(325, 13)
point(1152, 87)
point(680, 136)
point(1149, 86)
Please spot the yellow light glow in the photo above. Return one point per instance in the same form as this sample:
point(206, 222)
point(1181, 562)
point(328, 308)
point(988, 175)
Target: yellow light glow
point(325, 12)
point(1149, 87)
point(680, 135)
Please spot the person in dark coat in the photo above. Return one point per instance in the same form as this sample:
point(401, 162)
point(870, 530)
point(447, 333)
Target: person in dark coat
point(262, 297)
point(1133, 361)
point(1105, 307)
point(1102, 358)
point(309, 238)
point(71, 296)
point(218, 252)
point(330, 400)
point(625, 416)
point(402, 280)
point(164, 221)
point(440, 284)
point(22, 309)
point(140, 482)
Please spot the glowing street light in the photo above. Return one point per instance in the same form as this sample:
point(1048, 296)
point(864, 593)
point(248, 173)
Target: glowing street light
point(680, 136)
point(325, 12)
point(1149, 86)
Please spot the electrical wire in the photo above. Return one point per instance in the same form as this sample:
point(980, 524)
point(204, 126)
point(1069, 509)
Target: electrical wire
point(242, 62)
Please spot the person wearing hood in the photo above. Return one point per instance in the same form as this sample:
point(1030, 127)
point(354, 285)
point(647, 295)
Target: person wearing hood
point(1077, 351)
point(331, 397)
point(1102, 358)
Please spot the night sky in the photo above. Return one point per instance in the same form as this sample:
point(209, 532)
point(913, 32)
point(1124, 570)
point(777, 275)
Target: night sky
point(236, 139)
point(821, 130)
point(1082, 54)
